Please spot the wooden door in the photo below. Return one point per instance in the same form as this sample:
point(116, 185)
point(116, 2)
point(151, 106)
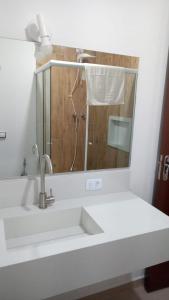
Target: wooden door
point(157, 277)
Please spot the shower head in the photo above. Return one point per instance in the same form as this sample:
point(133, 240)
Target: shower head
point(81, 55)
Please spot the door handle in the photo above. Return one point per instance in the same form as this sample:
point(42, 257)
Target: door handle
point(160, 167)
point(166, 168)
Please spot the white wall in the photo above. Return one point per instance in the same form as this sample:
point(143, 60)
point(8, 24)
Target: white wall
point(130, 27)
point(133, 27)
point(18, 103)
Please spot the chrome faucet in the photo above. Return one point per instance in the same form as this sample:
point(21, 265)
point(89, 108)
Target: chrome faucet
point(44, 200)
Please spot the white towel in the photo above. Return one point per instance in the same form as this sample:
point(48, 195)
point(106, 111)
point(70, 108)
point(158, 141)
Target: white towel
point(105, 85)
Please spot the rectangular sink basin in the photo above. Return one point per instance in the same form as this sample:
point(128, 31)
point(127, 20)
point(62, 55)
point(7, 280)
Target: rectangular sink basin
point(45, 226)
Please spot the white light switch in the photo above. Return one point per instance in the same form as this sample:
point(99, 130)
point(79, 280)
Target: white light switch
point(94, 184)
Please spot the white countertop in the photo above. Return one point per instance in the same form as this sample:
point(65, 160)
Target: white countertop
point(120, 215)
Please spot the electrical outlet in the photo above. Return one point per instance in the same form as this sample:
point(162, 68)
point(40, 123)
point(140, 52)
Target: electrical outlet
point(94, 184)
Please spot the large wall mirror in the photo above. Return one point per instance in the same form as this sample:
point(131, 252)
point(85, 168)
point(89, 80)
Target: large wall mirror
point(75, 105)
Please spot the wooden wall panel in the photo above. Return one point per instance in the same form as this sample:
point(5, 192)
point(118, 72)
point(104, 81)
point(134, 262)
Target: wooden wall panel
point(100, 155)
point(63, 121)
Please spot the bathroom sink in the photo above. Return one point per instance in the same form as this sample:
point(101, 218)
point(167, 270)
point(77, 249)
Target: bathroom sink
point(45, 226)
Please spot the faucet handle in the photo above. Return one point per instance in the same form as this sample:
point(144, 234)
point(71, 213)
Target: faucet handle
point(51, 193)
point(50, 199)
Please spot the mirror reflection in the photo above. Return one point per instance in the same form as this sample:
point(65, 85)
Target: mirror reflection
point(17, 108)
point(85, 104)
point(75, 105)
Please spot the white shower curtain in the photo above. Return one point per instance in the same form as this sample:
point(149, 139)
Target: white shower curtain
point(105, 85)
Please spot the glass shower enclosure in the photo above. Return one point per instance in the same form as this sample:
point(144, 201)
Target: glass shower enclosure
point(76, 136)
